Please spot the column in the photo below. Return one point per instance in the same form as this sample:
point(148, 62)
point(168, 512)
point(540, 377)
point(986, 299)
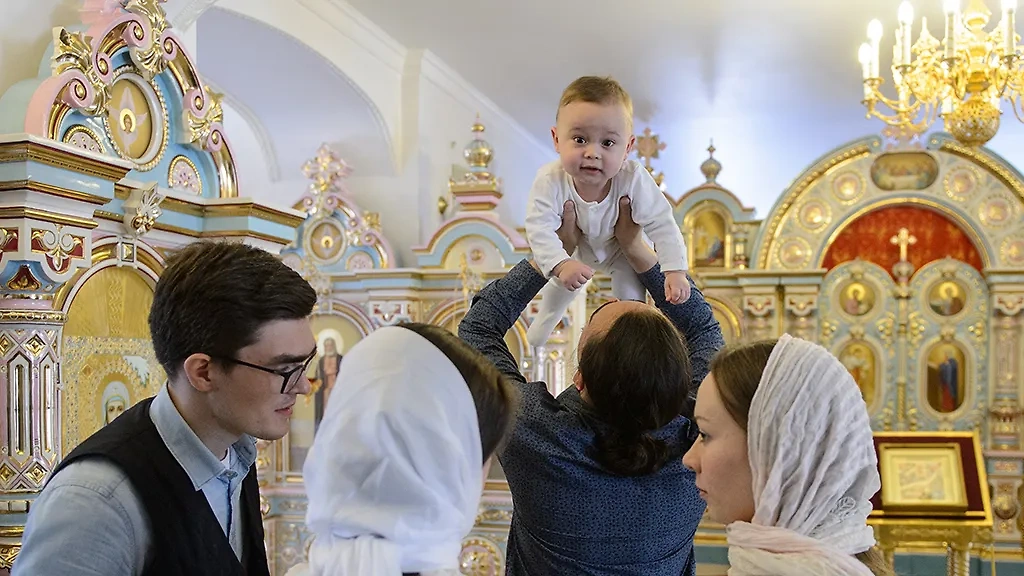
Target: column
point(48, 194)
point(801, 306)
point(760, 312)
point(741, 233)
point(902, 271)
point(1003, 453)
point(958, 559)
point(1007, 380)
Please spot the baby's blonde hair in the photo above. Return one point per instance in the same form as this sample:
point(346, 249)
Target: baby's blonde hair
point(597, 90)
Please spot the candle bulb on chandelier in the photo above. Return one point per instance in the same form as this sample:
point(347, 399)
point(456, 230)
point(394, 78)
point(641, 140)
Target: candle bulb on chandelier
point(875, 35)
point(864, 55)
point(1009, 29)
point(906, 19)
point(952, 8)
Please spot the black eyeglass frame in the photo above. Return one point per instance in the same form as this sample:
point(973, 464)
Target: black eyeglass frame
point(285, 374)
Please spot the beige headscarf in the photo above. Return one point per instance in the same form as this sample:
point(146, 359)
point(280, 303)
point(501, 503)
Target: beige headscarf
point(814, 469)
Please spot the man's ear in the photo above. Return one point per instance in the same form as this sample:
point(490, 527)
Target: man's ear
point(577, 380)
point(197, 369)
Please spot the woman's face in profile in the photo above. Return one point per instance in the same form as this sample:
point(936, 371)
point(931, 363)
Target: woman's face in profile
point(719, 458)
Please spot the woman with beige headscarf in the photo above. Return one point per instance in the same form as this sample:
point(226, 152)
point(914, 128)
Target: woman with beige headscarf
point(785, 460)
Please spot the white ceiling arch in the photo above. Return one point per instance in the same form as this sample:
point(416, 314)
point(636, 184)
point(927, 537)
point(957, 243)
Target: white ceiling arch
point(184, 13)
point(260, 52)
point(263, 140)
point(774, 84)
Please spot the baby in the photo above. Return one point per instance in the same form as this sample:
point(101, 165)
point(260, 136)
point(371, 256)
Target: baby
point(593, 136)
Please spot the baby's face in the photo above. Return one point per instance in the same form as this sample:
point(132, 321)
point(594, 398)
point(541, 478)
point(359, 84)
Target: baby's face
point(593, 141)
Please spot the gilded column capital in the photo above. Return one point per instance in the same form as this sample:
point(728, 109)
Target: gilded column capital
point(801, 305)
point(391, 312)
point(761, 309)
point(760, 305)
point(1008, 304)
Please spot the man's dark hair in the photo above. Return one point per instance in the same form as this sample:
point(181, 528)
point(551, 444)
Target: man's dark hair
point(637, 375)
point(214, 297)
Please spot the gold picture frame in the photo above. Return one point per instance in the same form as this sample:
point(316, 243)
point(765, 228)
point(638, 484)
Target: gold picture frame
point(919, 477)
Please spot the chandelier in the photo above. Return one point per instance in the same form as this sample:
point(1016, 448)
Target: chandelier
point(962, 79)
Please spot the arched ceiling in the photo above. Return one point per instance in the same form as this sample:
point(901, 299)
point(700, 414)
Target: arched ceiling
point(298, 97)
point(775, 84)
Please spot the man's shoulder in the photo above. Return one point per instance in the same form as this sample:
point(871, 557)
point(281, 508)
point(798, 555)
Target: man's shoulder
point(93, 473)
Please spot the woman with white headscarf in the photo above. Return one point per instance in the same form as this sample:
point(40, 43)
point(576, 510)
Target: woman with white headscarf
point(396, 470)
point(785, 460)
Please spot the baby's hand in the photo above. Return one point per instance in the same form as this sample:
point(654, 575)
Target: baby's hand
point(573, 274)
point(677, 287)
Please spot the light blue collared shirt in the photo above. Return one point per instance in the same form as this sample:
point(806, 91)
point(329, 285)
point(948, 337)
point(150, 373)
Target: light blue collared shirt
point(89, 521)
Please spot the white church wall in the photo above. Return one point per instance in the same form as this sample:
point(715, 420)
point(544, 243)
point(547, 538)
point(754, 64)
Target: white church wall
point(255, 162)
point(425, 109)
point(26, 31)
point(449, 105)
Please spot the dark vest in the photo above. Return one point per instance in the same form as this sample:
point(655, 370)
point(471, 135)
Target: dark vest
point(186, 536)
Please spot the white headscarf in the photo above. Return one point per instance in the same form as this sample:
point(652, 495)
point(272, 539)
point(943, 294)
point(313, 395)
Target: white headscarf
point(394, 476)
point(814, 469)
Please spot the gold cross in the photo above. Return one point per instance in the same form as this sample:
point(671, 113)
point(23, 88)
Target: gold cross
point(903, 239)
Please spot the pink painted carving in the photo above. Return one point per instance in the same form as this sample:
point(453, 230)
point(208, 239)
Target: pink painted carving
point(102, 18)
point(479, 199)
point(210, 142)
point(93, 11)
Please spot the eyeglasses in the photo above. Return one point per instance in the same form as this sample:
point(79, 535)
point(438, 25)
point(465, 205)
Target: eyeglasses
point(289, 377)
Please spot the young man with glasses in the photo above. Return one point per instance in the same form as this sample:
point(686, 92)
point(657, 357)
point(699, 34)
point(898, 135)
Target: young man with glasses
point(169, 487)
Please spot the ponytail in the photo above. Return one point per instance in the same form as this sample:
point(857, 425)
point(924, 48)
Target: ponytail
point(629, 455)
point(637, 377)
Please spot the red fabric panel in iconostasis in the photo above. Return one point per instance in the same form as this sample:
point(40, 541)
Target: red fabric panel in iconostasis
point(868, 238)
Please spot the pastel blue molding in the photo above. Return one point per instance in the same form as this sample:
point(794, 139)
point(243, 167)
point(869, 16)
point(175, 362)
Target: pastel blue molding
point(212, 224)
point(246, 223)
point(432, 255)
point(717, 194)
point(54, 176)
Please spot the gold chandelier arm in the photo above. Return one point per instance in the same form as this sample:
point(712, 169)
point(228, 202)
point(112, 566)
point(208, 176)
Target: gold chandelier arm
point(904, 117)
point(956, 77)
point(1016, 104)
point(909, 110)
point(877, 95)
point(1008, 76)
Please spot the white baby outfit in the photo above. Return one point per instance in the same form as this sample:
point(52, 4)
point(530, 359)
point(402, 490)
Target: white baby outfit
point(598, 247)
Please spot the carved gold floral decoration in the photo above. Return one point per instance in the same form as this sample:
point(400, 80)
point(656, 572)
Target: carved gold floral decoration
point(72, 52)
point(150, 56)
point(204, 130)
